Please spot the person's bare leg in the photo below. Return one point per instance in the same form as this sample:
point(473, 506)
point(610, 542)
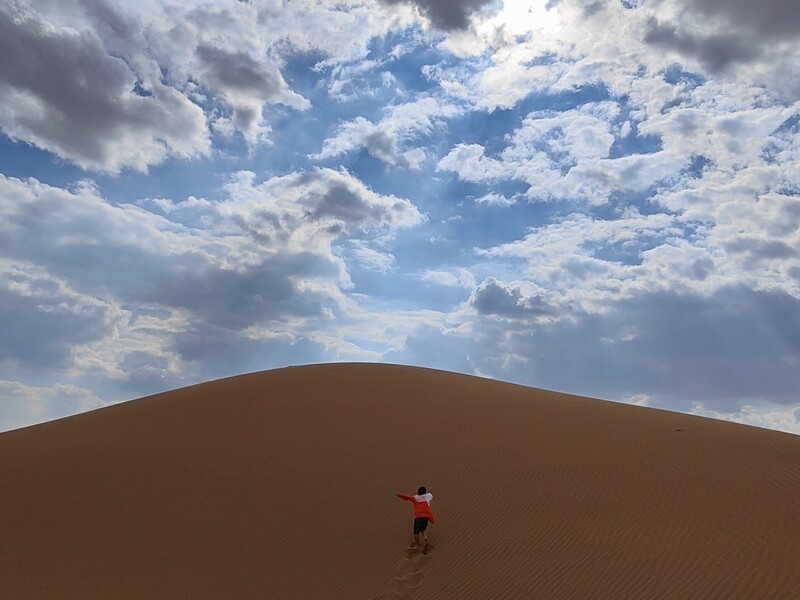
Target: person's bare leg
point(416, 539)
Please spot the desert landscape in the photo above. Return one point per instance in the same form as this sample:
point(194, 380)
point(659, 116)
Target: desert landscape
point(281, 485)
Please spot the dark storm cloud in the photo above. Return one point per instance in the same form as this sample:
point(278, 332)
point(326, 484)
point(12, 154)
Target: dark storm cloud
point(494, 298)
point(62, 91)
point(446, 14)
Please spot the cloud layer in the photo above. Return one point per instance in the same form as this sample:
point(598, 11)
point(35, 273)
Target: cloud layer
point(600, 198)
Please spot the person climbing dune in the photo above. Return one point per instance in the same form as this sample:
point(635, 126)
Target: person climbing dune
point(423, 514)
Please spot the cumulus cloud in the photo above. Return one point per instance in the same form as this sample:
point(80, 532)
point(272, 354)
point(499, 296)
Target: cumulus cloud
point(246, 85)
point(493, 297)
point(735, 41)
point(567, 154)
point(471, 164)
point(446, 14)
point(733, 32)
point(262, 258)
point(63, 92)
point(110, 87)
point(388, 139)
point(765, 415)
point(715, 52)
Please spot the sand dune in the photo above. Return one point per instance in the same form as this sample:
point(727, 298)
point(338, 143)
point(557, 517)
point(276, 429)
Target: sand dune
point(280, 485)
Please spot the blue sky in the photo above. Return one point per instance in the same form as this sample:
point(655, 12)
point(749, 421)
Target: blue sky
point(600, 198)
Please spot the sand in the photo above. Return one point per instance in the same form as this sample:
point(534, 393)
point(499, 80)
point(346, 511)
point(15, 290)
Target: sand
point(281, 485)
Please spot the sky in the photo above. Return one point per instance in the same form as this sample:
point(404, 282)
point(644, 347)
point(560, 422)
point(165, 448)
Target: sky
point(600, 198)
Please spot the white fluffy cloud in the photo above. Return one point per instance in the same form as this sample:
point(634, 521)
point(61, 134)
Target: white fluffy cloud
point(388, 139)
point(567, 155)
point(110, 85)
point(64, 92)
point(590, 262)
point(460, 278)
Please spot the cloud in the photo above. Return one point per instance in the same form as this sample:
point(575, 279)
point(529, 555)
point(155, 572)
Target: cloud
point(63, 92)
point(471, 164)
point(387, 140)
point(259, 262)
point(370, 258)
point(764, 415)
point(43, 319)
point(23, 405)
point(738, 40)
point(723, 349)
point(110, 87)
point(715, 52)
point(462, 278)
point(433, 347)
point(446, 14)
point(771, 20)
point(567, 155)
point(493, 297)
point(727, 350)
point(246, 84)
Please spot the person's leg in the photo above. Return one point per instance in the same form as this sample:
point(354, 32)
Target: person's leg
point(417, 529)
point(425, 530)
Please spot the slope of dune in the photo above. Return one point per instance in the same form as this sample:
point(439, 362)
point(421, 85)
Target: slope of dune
point(280, 485)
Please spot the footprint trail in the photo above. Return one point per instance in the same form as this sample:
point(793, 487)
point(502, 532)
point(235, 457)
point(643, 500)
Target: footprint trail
point(410, 572)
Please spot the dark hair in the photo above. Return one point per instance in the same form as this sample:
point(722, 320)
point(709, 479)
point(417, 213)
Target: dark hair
point(422, 490)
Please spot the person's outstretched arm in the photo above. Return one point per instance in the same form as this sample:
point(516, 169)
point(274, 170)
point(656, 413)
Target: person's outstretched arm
point(404, 497)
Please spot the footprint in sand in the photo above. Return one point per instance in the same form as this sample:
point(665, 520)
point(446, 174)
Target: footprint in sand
point(409, 576)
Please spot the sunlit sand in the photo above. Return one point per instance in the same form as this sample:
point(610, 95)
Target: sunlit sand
point(281, 485)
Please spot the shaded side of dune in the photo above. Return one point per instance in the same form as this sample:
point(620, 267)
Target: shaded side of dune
point(281, 485)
